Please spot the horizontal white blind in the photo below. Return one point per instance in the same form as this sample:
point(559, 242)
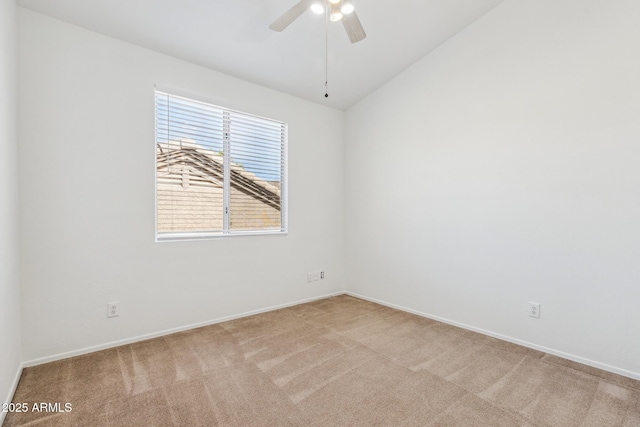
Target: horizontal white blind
point(219, 171)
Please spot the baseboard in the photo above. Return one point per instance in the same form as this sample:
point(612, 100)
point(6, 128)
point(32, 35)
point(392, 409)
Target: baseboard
point(12, 391)
point(81, 351)
point(131, 340)
point(573, 357)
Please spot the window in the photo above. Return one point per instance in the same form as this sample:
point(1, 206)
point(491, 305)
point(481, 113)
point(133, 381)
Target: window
point(219, 172)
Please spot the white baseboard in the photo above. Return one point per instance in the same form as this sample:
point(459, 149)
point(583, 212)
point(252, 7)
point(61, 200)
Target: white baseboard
point(78, 352)
point(573, 357)
point(81, 351)
point(12, 391)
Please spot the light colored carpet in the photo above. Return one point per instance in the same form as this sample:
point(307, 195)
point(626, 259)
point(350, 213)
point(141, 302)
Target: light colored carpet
point(340, 361)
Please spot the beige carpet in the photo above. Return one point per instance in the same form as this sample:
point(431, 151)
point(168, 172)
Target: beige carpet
point(334, 362)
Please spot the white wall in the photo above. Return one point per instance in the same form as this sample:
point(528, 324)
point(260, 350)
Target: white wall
point(500, 169)
point(86, 124)
point(9, 285)
point(504, 168)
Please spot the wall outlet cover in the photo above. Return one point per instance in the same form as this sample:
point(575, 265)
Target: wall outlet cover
point(113, 309)
point(534, 310)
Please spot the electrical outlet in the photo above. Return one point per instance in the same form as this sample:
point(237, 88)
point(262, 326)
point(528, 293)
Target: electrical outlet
point(314, 276)
point(113, 309)
point(534, 310)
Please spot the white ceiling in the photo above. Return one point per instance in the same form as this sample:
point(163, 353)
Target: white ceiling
point(232, 36)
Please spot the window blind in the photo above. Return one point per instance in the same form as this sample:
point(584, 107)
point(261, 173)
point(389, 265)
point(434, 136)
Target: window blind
point(218, 171)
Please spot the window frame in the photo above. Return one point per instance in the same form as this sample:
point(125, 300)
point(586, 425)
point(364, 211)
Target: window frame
point(226, 232)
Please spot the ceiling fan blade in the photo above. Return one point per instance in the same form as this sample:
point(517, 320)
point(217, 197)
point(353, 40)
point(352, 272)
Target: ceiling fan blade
point(353, 27)
point(291, 15)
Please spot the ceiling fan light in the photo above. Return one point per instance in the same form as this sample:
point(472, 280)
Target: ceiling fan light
point(334, 1)
point(347, 7)
point(335, 16)
point(317, 8)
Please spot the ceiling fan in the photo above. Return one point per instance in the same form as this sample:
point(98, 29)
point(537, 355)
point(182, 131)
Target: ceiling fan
point(338, 10)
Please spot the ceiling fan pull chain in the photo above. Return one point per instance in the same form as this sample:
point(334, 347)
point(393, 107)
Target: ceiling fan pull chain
point(326, 53)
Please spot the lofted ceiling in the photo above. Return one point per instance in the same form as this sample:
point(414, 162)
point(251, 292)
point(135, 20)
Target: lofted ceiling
point(233, 36)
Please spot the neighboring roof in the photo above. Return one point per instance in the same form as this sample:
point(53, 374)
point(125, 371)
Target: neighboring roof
point(208, 165)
